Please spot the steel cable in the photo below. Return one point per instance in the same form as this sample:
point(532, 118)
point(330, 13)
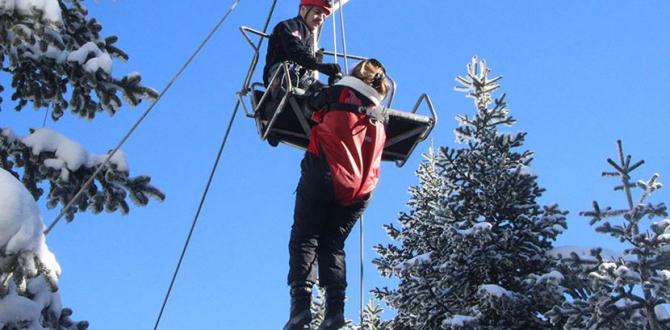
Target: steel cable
point(139, 121)
point(207, 186)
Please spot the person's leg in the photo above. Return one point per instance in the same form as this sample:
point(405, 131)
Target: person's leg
point(308, 219)
point(332, 263)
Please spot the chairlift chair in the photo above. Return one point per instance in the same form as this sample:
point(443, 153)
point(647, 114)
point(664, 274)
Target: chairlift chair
point(288, 121)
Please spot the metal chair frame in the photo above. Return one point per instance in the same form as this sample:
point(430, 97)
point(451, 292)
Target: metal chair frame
point(289, 95)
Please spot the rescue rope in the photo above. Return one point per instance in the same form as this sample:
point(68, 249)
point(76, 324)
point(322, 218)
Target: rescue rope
point(139, 121)
point(362, 244)
point(344, 38)
point(362, 220)
point(335, 35)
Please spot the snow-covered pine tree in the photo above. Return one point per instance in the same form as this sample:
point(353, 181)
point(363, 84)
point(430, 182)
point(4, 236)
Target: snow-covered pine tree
point(625, 291)
point(57, 59)
point(53, 52)
point(372, 318)
point(471, 250)
point(371, 315)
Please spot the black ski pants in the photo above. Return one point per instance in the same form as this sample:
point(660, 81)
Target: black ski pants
point(320, 227)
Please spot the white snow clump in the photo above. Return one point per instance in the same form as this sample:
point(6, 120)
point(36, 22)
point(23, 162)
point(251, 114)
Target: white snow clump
point(102, 60)
point(21, 236)
point(70, 155)
point(50, 8)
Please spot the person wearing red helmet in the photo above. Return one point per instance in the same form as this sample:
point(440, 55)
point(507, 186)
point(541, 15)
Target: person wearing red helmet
point(292, 40)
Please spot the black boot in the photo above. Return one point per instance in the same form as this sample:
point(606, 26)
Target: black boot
point(301, 301)
point(334, 318)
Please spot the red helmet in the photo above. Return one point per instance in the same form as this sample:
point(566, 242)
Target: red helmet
point(325, 4)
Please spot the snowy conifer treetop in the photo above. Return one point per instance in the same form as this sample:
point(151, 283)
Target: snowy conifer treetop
point(628, 290)
point(471, 251)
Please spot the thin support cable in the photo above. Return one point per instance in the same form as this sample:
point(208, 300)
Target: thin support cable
point(362, 243)
point(362, 226)
point(335, 35)
point(44, 121)
point(139, 121)
point(209, 181)
point(344, 37)
point(197, 214)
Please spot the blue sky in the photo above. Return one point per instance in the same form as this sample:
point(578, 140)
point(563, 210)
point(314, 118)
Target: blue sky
point(578, 76)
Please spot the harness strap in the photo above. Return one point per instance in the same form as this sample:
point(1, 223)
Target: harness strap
point(358, 109)
point(371, 111)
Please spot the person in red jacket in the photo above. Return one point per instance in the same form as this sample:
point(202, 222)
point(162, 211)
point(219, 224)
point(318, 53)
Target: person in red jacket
point(338, 174)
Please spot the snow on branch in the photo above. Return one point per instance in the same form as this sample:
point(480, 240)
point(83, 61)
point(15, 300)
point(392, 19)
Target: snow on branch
point(46, 155)
point(50, 47)
point(29, 272)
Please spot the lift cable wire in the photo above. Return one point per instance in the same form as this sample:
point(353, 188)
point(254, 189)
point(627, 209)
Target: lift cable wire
point(362, 219)
point(335, 36)
point(139, 121)
point(44, 122)
point(205, 192)
point(196, 217)
point(344, 37)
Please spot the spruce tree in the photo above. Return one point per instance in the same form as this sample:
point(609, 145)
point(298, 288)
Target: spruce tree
point(625, 291)
point(470, 253)
point(57, 60)
point(371, 315)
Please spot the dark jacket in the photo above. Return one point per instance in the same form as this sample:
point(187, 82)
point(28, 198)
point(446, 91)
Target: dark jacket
point(291, 40)
point(351, 142)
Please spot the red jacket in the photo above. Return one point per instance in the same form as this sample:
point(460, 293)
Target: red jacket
point(351, 141)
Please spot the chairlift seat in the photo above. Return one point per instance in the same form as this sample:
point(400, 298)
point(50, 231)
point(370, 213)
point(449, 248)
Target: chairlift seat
point(291, 126)
point(404, 130)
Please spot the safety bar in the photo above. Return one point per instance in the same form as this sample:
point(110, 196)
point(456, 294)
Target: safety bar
point(433, 113)
point(394, 87)
point(280, 107)
point(254, 61)
point(355, 57)
point(245, 30)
